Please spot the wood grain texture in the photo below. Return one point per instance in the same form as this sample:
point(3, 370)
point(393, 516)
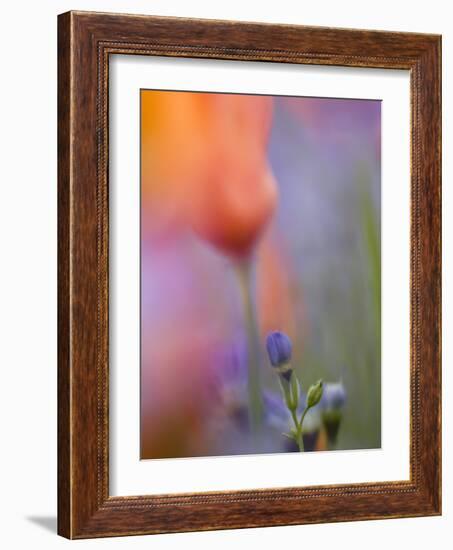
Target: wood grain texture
point(85, 42)
point(64, 368)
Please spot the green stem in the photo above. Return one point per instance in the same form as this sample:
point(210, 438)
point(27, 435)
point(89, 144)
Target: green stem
point(303, 416)
point(299, 438)
point(243, 271)
point(300, 426)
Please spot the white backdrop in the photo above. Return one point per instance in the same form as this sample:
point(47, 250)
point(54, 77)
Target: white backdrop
point(28, 275)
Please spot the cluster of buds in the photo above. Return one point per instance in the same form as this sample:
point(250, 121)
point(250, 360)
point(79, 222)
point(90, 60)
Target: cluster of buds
point(279, 349)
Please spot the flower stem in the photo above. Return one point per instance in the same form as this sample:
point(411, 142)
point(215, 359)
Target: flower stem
point(300, 427)
point(243, 271)
point(299, 439)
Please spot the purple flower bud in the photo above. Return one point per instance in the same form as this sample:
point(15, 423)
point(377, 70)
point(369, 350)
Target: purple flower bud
point(334, 396)
point(279, 348)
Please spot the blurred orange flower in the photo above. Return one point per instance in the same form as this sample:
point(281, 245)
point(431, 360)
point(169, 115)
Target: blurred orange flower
point(204, 164)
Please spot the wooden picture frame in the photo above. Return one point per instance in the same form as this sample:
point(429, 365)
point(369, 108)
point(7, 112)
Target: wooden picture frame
point(85, 42)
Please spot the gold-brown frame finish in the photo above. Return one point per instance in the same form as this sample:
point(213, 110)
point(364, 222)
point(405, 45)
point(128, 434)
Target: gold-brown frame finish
point(86, 41)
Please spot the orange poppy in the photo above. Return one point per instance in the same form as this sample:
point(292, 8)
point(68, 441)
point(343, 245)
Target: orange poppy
point(204, 165)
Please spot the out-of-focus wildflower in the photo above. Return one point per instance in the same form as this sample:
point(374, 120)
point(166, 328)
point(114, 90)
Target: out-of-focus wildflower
point(332, 405)
point(229, 421)
point(334, 396)
point(279, 349)
point(205, 156)
point(279, 415)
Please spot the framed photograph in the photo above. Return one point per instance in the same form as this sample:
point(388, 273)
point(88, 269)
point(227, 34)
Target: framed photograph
point(249, 275)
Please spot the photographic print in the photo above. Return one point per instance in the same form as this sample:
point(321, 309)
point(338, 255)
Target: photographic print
point(229, 203)
point(260, 274)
